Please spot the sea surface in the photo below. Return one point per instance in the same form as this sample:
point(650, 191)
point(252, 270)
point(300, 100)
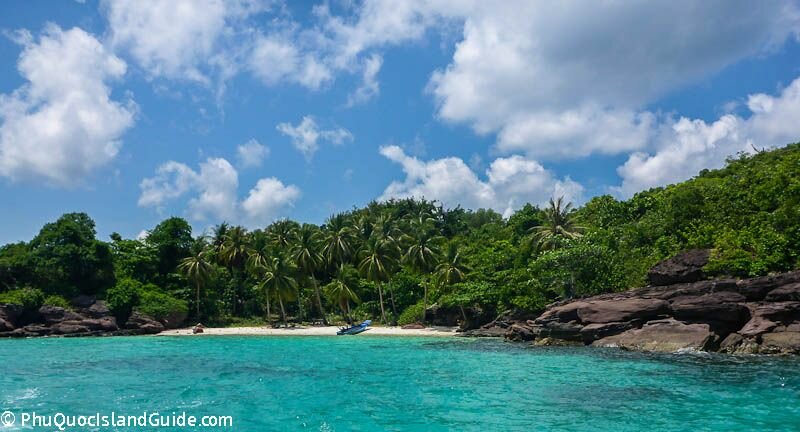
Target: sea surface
point(371, 383)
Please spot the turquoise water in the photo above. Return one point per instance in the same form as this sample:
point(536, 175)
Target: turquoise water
point(372, 383)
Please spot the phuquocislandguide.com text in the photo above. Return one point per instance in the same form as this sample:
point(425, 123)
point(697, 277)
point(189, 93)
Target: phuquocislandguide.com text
point(63, 422)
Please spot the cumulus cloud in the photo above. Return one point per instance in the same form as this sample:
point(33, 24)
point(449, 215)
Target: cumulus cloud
point(370, 87)
point(510, 182)
point(215, 188)
point(267, 199)
point(686, 146)
point(276, 59)
point(179, 39)
point(307, 134)
point(62, 123)
point(251, 154)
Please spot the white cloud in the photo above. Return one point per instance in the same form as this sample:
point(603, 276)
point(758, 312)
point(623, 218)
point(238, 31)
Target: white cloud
point(216, 193)
point(251, 154)
point(179, 39)
point(306, 135)
point(267, 199)
point(685, 146)
point(62, 123)
point(276, 59)
point(370, 87)
point(510, 182)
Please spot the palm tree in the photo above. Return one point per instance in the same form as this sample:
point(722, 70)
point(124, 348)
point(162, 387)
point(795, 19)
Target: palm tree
point(451, 270)
point(234, 252)
point(279, 278)
point(422, 253)
point(559, 225)
point(337, 244)
point(280, 234)
point(377, 260)
point(340, 291)
point(198, 270)
point(306, 254)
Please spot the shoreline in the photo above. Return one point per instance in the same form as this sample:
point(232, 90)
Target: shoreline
point(311, 331)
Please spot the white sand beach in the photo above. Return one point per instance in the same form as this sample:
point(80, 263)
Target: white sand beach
point(310, 331)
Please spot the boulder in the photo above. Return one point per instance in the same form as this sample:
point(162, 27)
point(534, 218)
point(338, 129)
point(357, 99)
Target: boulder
point(520, 333)
point(6, 326)
point(139, 323)
point(563, 313)
point(756, 289)
point(568, 331)
point(83, 301)
point(98, 309)
point(666, 335)
point(592, 332)
point(767, 316)
point(686, 266)
point(722, 306)
point(105, 324)
point(10, 313)
point(607, 311)
point(173, 320)
point(54, 314)
point(780, 343)
point(790, 292)
point(69, 328)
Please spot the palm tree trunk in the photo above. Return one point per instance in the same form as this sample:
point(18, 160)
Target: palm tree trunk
point(463, 317)
point(380, 296)
point(349, 318)
point(197, 300)
point(319, 301)
point(394, 308)
point(283, 311)
point(424, 301)
point(269, 311)
point(299, 307)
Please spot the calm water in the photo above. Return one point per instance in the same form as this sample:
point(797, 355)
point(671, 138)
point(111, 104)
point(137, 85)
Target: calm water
point(383, 383)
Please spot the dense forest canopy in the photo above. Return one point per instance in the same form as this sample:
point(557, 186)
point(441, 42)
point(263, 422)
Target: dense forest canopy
point(389, 260)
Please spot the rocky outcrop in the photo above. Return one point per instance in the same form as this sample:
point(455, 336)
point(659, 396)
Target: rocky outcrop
point(89, 317)
point(450, 316)
point(685, 267)
point(759, 315)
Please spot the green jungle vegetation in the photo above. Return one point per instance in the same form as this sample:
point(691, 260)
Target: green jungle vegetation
point(390, 260)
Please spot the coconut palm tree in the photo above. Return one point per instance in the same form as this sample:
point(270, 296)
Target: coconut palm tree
point(257, 261)
point(422, 253)
point(559, 225)
point(306, 252)
point(338, 241)
point(234, 251)
point(279, 278)
point(451, 270)
point(340, 290)
point(197, 269)
point(280, 234)
point(377, 260)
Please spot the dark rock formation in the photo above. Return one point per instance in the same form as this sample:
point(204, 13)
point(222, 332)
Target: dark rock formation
point(685, 267)
point(143, 324)
point(455, 316)
point(89, 318)
point(759, 315)
point(413, 326)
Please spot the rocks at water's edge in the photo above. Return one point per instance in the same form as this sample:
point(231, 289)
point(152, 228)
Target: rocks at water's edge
point(759, 315)
point(89, 317)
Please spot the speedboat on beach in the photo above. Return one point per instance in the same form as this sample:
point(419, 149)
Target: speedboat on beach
point(354, 329)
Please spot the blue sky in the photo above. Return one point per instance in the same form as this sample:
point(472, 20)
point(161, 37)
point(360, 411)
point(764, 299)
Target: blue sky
point(133, 111)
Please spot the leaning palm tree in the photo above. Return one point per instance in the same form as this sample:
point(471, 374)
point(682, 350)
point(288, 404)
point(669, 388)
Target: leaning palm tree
point(422, 254)
point(559, 225)
point(197, 269)
point(340, 291)
point(279, 278)
point(377, 260)
point(451, 270)
point(338, 241)
point(306, 252)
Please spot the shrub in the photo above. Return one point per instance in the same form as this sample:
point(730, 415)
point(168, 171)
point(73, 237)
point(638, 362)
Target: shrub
point(122, 298)
point(56, 300)
point(162, 306)
point(411, 315)
point(30, 299)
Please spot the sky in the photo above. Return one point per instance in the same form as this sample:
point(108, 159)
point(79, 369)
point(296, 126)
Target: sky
point(250, 111)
